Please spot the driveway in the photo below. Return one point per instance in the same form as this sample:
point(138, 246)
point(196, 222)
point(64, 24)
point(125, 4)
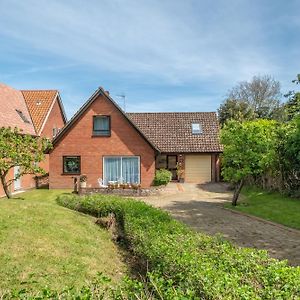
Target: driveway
point(201, 207)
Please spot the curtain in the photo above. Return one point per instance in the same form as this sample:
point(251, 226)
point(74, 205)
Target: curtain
point(121, 169)
point(101, 123)
point(130, 170)
point(112, 169)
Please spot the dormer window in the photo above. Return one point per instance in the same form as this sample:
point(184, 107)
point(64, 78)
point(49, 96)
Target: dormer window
point(196, 128)
point(22, 116)
point(101, 126)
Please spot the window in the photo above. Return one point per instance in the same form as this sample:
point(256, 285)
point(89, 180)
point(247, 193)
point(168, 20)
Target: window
point(101, 125)
point(196, 128)
point(122, 169)
point(22, 116)
point(71, 164)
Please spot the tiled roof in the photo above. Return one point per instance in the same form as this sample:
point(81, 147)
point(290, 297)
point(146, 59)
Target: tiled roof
point(172, 132)
point(39, 103)
point(13, 110)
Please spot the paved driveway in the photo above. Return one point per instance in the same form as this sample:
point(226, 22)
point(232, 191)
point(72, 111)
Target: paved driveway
point(201, 207)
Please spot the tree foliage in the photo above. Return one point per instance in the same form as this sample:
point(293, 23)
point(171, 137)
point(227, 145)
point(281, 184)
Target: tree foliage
point(292, 106)
point(258, 98)
point(249, 150)
point(17, 149)
point(290, 157)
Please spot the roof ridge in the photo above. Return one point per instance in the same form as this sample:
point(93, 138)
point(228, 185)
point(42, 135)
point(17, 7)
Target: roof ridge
point(46, 90)
point(174, 112)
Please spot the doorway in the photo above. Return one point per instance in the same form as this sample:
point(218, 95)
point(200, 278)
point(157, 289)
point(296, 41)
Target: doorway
point(172, 165)
point(17, 182)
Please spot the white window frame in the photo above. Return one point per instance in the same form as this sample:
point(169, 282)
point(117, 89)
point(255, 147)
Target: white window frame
point(197, 128)
point(122, 156)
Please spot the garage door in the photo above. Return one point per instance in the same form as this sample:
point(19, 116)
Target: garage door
point(197, 168)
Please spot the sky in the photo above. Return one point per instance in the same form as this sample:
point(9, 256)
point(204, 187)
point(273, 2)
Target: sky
point(163, 55)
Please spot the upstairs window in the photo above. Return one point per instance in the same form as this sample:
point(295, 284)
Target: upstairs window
point(196, 128)
point(22, 116)
point(101, 126)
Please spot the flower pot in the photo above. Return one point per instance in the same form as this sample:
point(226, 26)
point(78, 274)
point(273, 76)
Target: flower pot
point(83, 184)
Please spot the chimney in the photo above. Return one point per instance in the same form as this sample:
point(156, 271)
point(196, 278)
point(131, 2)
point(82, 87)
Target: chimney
point(107, 93)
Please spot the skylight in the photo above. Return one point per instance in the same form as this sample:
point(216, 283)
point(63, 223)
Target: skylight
point(23, 117)
point(196, 128)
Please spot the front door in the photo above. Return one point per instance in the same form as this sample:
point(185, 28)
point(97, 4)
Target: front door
point(171, 165)
point(17, 182)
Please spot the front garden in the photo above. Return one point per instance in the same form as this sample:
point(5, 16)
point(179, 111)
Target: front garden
point(59, 252)
point(271, 206)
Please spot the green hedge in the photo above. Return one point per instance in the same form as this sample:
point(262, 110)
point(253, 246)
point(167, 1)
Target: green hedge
point(183, 264)
point(162, 177)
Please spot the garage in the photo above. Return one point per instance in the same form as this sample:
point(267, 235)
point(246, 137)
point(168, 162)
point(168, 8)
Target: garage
point(197, 168)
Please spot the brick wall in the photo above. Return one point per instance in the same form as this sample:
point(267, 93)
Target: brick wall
point(78, 141)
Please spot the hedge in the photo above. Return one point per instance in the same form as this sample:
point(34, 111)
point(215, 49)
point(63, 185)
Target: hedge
point(183, 264)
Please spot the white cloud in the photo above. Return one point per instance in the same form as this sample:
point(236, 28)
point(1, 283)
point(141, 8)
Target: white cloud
point(172, 42)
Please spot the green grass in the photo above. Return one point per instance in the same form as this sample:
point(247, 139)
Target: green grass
point(271, 206)
point(43, 244)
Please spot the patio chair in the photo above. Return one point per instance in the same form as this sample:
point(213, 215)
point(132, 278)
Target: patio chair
point(101, 183)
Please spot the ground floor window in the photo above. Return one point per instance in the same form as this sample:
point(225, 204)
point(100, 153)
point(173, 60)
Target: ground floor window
point(121, 169)
point(71, 164)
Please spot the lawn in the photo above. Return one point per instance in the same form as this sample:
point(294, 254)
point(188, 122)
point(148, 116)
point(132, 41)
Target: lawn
point(271, 206)
point(42, 243)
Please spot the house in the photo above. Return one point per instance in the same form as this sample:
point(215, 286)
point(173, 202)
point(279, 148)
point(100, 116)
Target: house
point(34, 112)
point(101, 141)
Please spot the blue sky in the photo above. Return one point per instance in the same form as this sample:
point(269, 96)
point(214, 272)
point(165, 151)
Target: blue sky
point(165, 55)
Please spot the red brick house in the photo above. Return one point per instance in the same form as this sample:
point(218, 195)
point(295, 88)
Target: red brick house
point(38, 113)
point(103, 142)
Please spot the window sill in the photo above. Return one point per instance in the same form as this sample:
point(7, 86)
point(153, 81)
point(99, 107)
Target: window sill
point(71, 174)
point(97, 135)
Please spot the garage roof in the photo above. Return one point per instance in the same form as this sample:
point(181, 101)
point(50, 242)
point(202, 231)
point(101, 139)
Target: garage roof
point(172, 132)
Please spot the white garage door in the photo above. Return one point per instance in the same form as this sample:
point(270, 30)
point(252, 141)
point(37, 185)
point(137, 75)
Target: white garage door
point(197, 168)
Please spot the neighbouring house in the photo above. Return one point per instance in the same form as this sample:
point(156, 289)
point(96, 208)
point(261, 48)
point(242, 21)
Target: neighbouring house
point(106, 144)
point(34, 112)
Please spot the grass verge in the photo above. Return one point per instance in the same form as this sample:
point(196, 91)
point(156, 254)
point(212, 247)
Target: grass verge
point(270, 206)
point(43, 244)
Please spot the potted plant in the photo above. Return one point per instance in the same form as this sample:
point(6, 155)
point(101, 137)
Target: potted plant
point(83, 180)
point(180, 172)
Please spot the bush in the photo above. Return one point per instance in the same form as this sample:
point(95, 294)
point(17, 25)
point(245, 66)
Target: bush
point(183, 264)
point(162, 177)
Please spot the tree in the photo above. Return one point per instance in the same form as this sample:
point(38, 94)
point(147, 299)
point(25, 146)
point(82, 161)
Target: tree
point(290, 157)
point(232, 109)
point(17, 149)
point(262, 95)
point(292, 106)
point(249, 150)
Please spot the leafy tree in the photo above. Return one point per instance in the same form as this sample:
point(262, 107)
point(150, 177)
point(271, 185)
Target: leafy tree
point(232, 109)
point(17, 149)
point(292, 105)
point(249, 150)
point(258, 98)
point(290, 157)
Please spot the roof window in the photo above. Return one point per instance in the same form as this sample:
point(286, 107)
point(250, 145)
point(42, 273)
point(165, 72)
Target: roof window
point(22, 116)
point(196, 128)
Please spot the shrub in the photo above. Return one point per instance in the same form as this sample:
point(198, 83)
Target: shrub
point(162, 177)
point(183, 264)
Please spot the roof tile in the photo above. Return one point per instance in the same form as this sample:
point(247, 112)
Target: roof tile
point(172, 132)
point(39, 103)
point(12, 101)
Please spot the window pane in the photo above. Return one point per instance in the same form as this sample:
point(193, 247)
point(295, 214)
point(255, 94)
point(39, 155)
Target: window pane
point(72, 164)
point(101, 123)
point(112, 169)
point(130, 170)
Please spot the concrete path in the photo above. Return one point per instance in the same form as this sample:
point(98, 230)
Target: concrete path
point(201, 207)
